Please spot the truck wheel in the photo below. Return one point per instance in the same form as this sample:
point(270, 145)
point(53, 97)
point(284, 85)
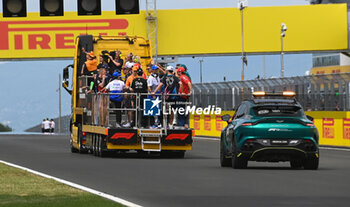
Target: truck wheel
point(224, 161)
point(296, 164)
point(142, 153)
point(103, 150)
point(172, 154)
point(179, 154)
point(72, 149)
point(311, 163)
point(94, 150)
point(98, 146)
point(165, 154)
point(80, 137)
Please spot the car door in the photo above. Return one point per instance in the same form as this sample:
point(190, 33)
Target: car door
point(230, 129)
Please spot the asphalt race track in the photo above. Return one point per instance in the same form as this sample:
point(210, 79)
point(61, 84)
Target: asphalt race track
point(197, 180)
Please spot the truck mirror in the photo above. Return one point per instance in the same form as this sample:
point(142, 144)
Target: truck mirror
point(65, 73)
point(65, 84)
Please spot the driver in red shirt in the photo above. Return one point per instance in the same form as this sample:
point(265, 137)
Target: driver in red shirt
point(186, 89)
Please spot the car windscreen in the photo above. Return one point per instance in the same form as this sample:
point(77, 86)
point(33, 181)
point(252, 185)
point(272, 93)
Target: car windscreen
point(276, 110)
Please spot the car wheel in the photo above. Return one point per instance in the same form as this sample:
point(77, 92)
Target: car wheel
point(238, 162)
point(296, 164)
point(224, 161)
point(311, 163)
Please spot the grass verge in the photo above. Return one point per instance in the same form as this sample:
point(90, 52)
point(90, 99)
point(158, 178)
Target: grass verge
point(19, 188)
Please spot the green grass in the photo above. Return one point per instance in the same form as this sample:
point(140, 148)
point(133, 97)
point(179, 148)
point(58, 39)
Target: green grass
point(19, 188)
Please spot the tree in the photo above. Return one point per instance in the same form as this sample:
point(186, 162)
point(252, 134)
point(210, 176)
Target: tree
point(5, 128)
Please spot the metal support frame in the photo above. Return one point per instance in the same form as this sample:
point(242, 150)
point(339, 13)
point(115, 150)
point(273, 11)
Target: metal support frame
point(152, 28)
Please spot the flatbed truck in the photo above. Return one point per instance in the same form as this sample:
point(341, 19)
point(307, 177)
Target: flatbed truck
point(91, 123)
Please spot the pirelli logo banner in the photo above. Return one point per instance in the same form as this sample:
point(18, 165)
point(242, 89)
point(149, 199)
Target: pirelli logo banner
point(43, 37)
point(184, 31)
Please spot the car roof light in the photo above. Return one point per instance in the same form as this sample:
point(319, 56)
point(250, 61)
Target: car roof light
point(259, 93)
point(289, 93)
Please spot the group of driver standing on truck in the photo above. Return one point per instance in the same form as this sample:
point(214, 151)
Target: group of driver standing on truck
point(119, 78)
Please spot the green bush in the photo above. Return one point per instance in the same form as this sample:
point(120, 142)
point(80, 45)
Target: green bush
point(4, 128)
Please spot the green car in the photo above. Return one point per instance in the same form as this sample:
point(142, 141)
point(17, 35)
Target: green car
point(269, 128)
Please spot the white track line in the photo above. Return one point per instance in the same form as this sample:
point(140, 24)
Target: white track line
point(74, 185)
point(326, 148)
point(207, 138)
point(335, 148)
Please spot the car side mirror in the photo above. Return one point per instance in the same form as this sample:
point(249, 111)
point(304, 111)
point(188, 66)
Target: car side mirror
point(310, 118)
point(226, 118)
point(239, 116)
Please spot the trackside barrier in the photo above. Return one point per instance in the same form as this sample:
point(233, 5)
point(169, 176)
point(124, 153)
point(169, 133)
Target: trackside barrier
point(325, 92)
point(333, 126)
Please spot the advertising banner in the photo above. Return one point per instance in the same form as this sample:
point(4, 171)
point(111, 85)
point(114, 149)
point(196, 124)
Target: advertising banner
point(219, 123)
point(207, 122)
point(183, 31)
point(38, 37)
point(196, 122)
point(346, 128)
point(328, 128)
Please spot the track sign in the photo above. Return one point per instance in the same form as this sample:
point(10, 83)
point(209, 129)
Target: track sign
point(89, 7)
point(127, 7)
point(14, 8)
point(51, 7)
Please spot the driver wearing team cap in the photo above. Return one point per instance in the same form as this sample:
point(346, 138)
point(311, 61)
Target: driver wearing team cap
point(116, 86)
point(90, 64)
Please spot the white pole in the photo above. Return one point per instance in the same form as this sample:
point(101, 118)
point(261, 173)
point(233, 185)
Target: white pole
point(282, 65)
point(59, 103)
point(264, 66)
point(200, 65)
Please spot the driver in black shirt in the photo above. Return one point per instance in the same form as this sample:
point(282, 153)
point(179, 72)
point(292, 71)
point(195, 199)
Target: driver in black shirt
point(139, 85)
point(116, 62)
